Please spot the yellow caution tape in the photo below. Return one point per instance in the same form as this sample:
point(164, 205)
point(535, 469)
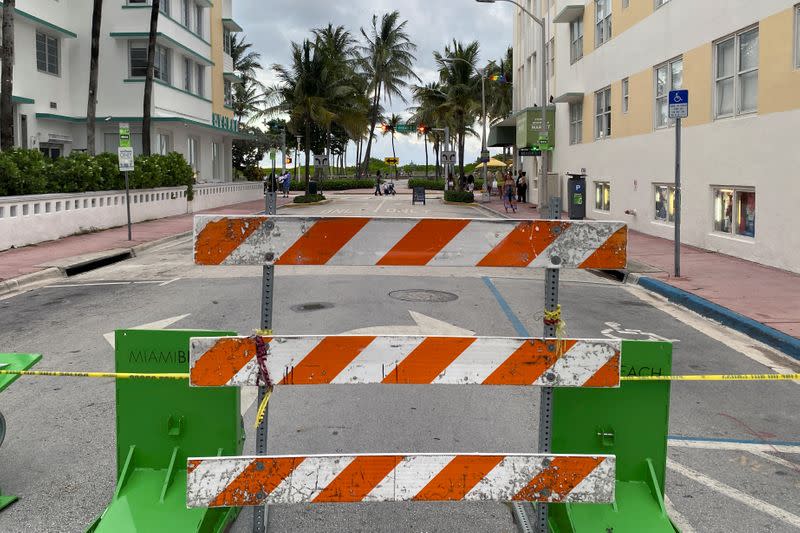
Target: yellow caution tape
point(112, 375)
point(717, 377)
point(262, 408)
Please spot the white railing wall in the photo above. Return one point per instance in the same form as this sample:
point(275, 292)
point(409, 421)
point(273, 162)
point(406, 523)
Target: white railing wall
point(28, 220)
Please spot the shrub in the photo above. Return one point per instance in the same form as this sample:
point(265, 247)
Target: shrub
point(309, 198)
point(336, 184)
point(431, 185)
point(77, 172)
point(111, 179)
point(459, 196)
point(9, 178)
point(33, 169)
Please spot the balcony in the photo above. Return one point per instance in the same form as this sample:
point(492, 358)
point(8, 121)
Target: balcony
point(171, 33)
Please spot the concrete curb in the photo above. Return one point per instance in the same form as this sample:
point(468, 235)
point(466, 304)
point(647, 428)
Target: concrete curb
point(766, 334)
point(20, 283)
point(323, 202)
point(141, 248)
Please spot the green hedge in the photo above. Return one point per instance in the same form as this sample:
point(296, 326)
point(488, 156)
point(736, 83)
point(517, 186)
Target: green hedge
point(436, 185)
point(30, 172)
point(309, 198)
point(459, 196)
point(337, 184)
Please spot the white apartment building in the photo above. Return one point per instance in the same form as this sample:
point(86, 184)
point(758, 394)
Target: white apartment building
point(610, 65)
point(192, 112)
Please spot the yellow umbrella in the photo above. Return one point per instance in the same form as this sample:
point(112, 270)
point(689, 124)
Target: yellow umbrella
point(495, 163)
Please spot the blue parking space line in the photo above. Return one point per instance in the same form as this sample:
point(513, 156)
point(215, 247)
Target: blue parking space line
point(514, 319)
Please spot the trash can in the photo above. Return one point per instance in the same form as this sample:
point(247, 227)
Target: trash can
point(312, 187)
point(576, 196)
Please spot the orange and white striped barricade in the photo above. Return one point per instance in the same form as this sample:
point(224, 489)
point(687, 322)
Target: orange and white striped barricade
point(410, 360)
point(356, 241)
point(251, 481)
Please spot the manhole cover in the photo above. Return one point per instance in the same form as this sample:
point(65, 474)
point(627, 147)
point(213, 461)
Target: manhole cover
point(311, 306)
point(423, 295)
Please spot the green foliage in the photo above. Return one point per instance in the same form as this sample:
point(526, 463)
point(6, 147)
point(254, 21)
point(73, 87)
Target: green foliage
point(29, 172)
point(431, 185)
point(459, 196)
point(337, 184)
point(309, 198)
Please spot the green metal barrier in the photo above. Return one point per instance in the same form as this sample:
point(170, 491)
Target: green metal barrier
point(159, 424)
point(12, 361)
point(630, 422)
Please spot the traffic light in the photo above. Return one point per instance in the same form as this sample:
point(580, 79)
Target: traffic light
point(423, 129)
point(288, 160)
point(385, 128)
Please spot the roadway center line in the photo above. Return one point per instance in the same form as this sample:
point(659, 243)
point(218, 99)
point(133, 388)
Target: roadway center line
point(735, 494)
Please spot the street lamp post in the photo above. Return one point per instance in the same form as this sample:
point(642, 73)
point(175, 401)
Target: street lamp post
point(544, 130)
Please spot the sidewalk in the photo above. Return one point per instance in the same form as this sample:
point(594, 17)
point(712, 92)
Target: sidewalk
point(38, 257)
point(764, 294)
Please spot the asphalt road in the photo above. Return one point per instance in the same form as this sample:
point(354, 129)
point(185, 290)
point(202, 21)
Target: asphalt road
point(735, 451)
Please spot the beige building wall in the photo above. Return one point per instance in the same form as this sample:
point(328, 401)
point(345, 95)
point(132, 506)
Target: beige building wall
point(778, 78)
point(217, 56)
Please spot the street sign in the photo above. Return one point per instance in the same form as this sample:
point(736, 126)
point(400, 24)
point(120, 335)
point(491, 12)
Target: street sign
point(448, 157)
point(320, 160)
point(485, 156)
point(288, 160)
point(125, 154)
point(272, 154)
point(529, 152)
point(679, 104)
point(406, 128)
point(393, 161)
point(124, 135)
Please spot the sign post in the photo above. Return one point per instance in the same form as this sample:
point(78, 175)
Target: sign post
point(678, 109)
point(125, 155)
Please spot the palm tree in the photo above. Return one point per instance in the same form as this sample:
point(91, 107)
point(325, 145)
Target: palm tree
point(499, 94)
point(248, 96)
point(91, 106)
point(148, 80)
point(7, 78)
point(387, 62)
point(429, 112)
point(461, 85)
point(390, 126)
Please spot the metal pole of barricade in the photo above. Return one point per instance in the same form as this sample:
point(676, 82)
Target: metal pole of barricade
point(546, 401)
point(261, 513)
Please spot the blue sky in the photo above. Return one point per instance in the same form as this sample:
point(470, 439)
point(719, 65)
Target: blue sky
point(272, 25)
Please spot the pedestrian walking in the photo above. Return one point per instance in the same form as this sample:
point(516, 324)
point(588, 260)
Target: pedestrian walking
point(378, 184)
point(509, 193)
point(493, 185)
point(522, 187)
point(287, 183)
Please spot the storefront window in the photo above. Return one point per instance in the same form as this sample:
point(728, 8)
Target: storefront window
point(665, 203)
point(723, 210)
point(735, 211)
point(602, 196)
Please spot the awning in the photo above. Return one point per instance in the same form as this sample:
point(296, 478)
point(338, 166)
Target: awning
point(569, 98)
point(569, 14)
point(529, 126)
point(503, 133)
point(43, 24)
point(231, 25)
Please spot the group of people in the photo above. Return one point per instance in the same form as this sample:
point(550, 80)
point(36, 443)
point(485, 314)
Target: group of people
point(282, 181)
point(511, 189)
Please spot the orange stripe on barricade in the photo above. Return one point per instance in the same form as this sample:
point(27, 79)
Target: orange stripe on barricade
point(326, 360)
point(458, 478)
point(523, 244)
point(358, 479)
point(321, 242)
point(612, 254)
point(607, 375)
point(220, 238)
point(526, 365)
point(428, 360)
point(423, 242)
point(220, 363)
point(261, 476)
point(559, 479)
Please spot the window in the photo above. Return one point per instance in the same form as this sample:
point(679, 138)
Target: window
point(736, 70)
point(575, 40)
point(602, 196)
point(194, 156)
point(626, 3)
point(797, 36)
point(187, 74)
point(625, 95)
point(665, 203)
point(228, 93)
point(226, 41)
point(186, 12)
point(660, 3)
point(216, 162)
point(602, 22)
point(163, 143)
point(669, 77)
point(201, 78)
point(576, 123)
point(602, 123)
point(551, 58)
point(198, 20)
point(735, 211)
point(53, 151)
point(138, 60)
point(161, 64)
point(46, 53)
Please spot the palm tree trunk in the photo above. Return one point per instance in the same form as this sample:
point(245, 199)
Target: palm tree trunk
point(7, 78)
point(91, 106)
point(426, 156)
point(436, 155)
point(148, 80)
point(374, 120)
point(308, 149)
point(394, 154)
point(461, 138)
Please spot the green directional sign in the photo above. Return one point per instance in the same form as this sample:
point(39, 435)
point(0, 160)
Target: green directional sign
point(406, 128)
point(272, 154)
point(124, 135)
